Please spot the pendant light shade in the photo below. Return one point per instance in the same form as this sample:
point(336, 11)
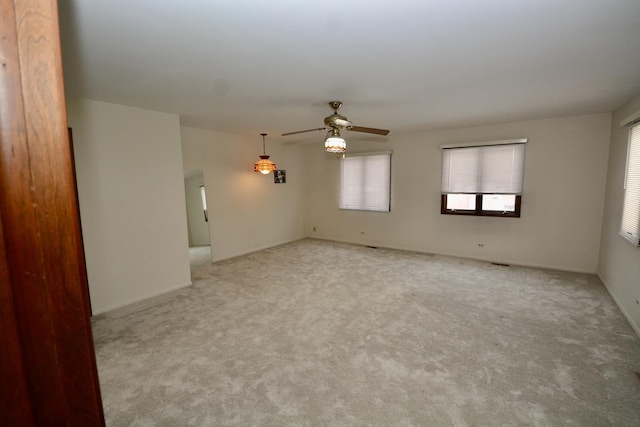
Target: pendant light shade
point(334, 142)
point(264, 165)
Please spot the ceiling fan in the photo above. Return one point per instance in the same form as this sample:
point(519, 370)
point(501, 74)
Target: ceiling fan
point(334, 143)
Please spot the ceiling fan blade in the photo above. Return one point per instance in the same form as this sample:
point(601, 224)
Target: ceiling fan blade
point(369, 130)
point(302, 131)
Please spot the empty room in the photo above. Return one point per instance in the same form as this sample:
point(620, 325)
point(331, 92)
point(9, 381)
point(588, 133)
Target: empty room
point(329, 213)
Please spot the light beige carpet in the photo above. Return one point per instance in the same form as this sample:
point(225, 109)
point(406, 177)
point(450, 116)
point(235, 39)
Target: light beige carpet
point(316, 333)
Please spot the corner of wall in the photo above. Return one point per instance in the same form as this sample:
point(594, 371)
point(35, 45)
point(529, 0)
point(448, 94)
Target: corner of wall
point(635, 326)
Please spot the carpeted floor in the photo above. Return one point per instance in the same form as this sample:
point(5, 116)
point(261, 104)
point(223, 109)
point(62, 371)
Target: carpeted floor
point(317, 333)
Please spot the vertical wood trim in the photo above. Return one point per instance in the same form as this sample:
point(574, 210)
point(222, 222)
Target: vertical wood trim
point(45, 291)
point(15, 404)
point(15, 407)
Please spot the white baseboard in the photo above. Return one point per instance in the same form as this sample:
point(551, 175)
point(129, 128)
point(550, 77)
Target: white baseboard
point(634, 326)
point(97, 311)
point(237, 254)
point(140, 299)
point(499, 261)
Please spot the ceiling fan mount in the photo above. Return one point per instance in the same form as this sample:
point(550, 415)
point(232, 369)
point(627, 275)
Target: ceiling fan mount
point(337, 121)
point(335, 105)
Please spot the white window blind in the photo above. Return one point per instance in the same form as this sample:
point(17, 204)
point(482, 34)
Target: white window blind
point(630, 228)
point(487, 169)
point(365, 182)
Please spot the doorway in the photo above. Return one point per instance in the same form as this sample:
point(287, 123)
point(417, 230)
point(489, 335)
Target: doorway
point(197, 219)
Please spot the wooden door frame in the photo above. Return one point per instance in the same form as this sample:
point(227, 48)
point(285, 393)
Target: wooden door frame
point(47, 362)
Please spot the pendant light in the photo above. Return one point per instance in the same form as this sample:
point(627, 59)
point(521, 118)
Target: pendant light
point(264, 165)
point(334, 142)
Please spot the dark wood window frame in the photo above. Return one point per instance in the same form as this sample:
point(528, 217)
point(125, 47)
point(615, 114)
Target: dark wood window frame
point(478, 211)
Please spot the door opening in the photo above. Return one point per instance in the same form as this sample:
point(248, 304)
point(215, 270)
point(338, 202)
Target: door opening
point(198, 219)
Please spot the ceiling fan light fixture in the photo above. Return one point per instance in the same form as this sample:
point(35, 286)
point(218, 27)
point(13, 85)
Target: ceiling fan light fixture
point(264, 165)
point(335, 143)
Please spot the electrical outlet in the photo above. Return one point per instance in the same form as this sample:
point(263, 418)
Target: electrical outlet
point(481, 244)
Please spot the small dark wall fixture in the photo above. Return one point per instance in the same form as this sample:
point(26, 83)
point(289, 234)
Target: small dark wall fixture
point(280, 176)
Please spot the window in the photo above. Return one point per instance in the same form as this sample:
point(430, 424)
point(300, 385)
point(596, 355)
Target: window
point(630, 228)
point(203, 198)
point(365, 182)
point(483, 179)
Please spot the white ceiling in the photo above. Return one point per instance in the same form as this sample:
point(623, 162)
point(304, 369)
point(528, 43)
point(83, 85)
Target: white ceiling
point(249, 66)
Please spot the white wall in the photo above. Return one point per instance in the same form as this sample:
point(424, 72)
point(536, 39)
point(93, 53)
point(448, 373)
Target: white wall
point(132, 198)
point(198, 226)
point(247, 211)
point(619, 267)
point(132, 204)
point(562, 204)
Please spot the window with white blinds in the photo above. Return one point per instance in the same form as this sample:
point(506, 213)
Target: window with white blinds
point(491, 169)
point(365, 182)
point(483, 179)
point(630, 228)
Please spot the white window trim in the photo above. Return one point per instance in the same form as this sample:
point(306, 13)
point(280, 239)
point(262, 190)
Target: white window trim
point(485, 143)
point(631, 120)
